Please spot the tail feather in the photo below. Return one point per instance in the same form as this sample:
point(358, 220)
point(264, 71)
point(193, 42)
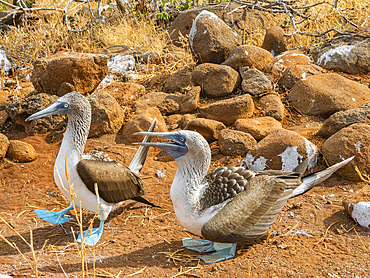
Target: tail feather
point(309, 181)
point(138, 161)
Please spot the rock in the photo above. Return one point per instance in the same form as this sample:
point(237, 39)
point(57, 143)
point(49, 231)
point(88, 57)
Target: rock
point(210, 39)
point(65, 72)
point(173, 54)
point(249, 56)
point(150, 57)
point(255, 82)
point(291, 58)
point(19, 110)
point(107, 116)
point(280, 150)
point(21, 151)
point(271, 105)
point(341, 119)
point(229, 110)
point(208, 128)
point(325, 94)
point(190, 101)
point(216, 80)
point(350, 57)
point(173, 121)
point(142, 122)
point(234, 142)
point(358, 206)
point(3, 117)
point(349, 141)
point(292, 74)
point(125, 93)
point(166, 103)
point(275, 41)
point(259, 128)
point(185, 119)
point(178, 81)
point(4, 145)
point(241, 22)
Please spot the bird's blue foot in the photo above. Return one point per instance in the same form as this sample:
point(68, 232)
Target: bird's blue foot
point(54, 217)
point(224, 251)
point(91, 237)
point(198, 244)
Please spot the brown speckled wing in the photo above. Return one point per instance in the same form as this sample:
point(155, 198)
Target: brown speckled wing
point(250, 214)
point(115, 182)
point(222, 184)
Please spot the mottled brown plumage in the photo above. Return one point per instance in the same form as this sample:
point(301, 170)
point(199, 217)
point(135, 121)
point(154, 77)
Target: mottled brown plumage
point(115, 182)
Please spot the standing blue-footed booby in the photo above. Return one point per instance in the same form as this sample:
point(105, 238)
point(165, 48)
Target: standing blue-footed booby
point(115, 182)
point(229, 204)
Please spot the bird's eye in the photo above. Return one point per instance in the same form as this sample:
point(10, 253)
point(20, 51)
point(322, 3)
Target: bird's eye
point(182, 139)
point(66, 105)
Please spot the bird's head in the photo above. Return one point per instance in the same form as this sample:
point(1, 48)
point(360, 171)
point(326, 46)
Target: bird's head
point(70, 103)
point(181, 143)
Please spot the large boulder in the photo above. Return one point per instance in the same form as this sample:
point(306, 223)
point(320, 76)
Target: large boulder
point(142, 122)
point(125, 93)
point(275, 41)
point(210, 129)
point(280, 150)
point(342, 119)
point(325, 94)
point(350, 57)
point(210, 39)
point(240, 22)
point(291, 58)
point(259, 128)
point(255, 82)
point(21, 151)
point(65, 72)
point(166, 103)
point(107, 116)
point(216, 80)
point(229, 110)
point(349, 141)
point(249, 56)
point(271, 105)
point(178, 81)
point(292, 74)
point(234, 142)
point(19, 110)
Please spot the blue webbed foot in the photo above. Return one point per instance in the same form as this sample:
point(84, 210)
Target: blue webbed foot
point(54, 217)
point(224, 251)
point(197, 244)
point(91, 237)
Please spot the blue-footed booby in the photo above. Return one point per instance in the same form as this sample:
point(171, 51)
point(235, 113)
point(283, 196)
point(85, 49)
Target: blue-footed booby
point(229, 204)
point(115, 183)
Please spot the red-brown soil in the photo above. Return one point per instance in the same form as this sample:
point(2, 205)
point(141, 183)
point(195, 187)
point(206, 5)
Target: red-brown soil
point(312, 237)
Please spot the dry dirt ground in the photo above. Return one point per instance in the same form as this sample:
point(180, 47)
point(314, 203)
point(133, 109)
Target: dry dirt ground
point(312, 237)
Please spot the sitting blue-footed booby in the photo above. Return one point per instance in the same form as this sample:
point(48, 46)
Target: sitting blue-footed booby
point(115, 182)
point(229, 204)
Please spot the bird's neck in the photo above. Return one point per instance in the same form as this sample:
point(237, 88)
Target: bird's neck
point(187, 185)
point(75, 136)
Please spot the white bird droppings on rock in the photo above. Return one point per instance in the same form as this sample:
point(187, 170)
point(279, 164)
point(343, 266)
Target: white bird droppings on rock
point(361, 214)
point(290, 158)
point(4, 60)
point(358, 146)
point(255, 165)
point(341, 50)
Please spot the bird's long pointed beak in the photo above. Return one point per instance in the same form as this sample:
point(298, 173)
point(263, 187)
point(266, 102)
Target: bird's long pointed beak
point(176, 147)
point(55, 108)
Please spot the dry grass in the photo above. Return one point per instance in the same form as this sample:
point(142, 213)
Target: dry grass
point(49, 33)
